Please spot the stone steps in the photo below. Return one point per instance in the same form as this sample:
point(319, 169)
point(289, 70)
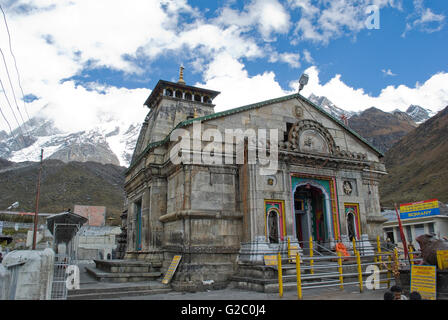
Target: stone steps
point(265, 278)
point(103, 276)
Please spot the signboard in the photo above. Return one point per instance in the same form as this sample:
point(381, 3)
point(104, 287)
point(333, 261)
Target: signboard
point(423, 280)
point(419, 209)
point(270, 260)
point(442, 259)
point(172, 268)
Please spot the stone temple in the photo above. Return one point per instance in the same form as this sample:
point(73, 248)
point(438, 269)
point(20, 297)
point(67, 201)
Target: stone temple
point(224, 214)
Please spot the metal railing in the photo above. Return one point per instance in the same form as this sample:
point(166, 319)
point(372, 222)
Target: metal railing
point(59, 286)
point(338, 268)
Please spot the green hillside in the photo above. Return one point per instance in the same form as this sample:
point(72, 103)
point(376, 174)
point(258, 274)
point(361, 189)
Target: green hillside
point(62, 186)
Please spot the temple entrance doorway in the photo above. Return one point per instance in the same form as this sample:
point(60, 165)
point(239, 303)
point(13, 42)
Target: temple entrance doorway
point(310, 215)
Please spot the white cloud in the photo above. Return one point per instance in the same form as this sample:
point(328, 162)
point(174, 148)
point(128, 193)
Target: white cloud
point(227, 75)
point(322, 21)
point(292, 59)
point(433, 94)
point(424, 19)
point(388, 72)
point(307, 56)
point(267, 16)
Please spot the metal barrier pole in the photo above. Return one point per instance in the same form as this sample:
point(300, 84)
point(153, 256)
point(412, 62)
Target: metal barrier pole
point(358, 261)
point(341, 277)
point(311, 256)
point(396, 257)
point(389, 274)
point(354, 246)
point(439, 260)
point(280, 276)
point(299, 278)
point(289, 250)
point(378, 245)
point(411, 255)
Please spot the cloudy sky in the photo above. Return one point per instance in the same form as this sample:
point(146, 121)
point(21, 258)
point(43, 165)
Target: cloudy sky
point(86, 61)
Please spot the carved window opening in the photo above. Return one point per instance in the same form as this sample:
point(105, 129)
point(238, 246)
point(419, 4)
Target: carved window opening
point(169, 92)
point(188, 96)
point(197, 98)
point(273, 226)
point(289, 126)
point(351, 226)
point(138, 224)
point(179, 94)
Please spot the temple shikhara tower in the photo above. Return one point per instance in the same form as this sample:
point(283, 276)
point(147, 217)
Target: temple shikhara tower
point(224, 217)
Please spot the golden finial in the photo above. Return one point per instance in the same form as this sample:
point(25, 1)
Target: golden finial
point(195, 115)
point(181, 75)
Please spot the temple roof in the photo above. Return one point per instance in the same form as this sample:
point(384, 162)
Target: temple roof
point(162, 84)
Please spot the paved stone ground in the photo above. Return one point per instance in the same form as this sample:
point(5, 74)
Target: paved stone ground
point(334, 293)
point(238, 294)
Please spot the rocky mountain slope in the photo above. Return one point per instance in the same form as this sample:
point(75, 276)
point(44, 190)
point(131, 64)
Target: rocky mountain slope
point(62, 186)
point(417, 164)
point(382, 129)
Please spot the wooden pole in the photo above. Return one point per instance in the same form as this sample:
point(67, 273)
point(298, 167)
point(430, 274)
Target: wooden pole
point(36, 215)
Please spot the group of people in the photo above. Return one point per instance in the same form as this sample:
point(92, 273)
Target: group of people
point(396, 293)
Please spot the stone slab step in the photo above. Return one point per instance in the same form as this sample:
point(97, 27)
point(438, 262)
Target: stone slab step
point(99, 287)
point(127, 266)
point(116, 294)
point(122, 276)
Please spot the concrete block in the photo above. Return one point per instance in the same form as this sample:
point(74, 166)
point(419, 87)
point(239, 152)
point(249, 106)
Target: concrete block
point(33, 271)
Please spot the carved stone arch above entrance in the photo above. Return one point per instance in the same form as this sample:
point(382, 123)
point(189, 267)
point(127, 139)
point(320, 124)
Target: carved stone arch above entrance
point(310, 136)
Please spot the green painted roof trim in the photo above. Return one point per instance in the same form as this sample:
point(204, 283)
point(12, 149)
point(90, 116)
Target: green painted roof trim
point(245, 108)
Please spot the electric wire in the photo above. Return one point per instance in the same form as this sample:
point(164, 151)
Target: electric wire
point(12, 88)
point(12, 110)
point(19, 131)
point(15, 62)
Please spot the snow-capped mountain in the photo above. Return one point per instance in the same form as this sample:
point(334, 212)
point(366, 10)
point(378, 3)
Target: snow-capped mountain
point(330, 107)
point(414, 113)
point(109, 142)
point(419, 114)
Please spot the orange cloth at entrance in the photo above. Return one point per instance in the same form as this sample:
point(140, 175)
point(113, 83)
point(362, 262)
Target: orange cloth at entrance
point(341, 248)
